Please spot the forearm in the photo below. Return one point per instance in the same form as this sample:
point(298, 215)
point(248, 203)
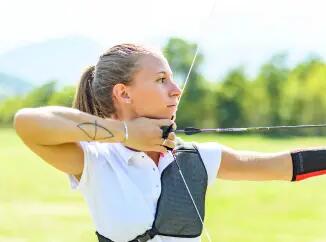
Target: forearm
point(294, 165)
point(54, 125)
point(265, 166)
point(254, 166)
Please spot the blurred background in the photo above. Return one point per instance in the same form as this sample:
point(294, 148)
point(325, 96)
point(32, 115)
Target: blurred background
point(260, 63)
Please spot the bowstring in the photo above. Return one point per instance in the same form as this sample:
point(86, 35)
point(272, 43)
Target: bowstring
point(193, 201)
point(197, 50)
point(183, 89)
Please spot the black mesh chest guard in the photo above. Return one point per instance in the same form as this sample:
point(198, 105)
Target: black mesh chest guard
point(176, 215)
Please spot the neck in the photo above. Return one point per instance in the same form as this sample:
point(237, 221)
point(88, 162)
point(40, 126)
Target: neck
point(155, 156)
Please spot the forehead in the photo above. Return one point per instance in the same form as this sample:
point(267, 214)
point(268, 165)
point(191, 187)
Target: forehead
point(153, 64)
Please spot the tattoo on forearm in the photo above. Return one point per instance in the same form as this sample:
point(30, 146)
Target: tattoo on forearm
point(87, 126)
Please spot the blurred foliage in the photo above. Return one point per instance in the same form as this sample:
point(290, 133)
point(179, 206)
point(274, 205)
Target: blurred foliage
point(229, 99)
point(43, 95)
point(278, 95)
point(63, 97)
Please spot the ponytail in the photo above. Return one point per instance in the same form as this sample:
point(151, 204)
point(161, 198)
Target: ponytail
point(85, 100)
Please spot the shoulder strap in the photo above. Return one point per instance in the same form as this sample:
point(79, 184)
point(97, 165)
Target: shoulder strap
point(182, 145)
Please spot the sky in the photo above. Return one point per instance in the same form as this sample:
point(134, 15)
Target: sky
point(234, 33)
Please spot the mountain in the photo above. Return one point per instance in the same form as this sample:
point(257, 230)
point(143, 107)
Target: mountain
point(55, 59)
point(11, 86)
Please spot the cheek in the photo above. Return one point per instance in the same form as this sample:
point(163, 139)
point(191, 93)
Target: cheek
point(148, 98)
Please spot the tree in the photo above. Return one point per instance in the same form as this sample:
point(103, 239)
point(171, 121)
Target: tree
point(268, 90)
point(230, 99)
point(63, 97)
point(40, 96)
point(302, 99)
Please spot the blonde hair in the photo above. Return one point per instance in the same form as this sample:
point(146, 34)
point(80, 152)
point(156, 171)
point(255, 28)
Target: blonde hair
point(117, 65)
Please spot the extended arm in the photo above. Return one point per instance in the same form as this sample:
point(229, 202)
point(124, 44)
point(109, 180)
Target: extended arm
point(288, 166)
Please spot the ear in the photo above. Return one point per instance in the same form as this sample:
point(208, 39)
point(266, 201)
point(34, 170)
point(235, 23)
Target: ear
point(121, 93)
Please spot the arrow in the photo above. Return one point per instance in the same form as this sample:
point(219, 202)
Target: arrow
point(192, 130)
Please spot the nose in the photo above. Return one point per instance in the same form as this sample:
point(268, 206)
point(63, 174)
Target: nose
point(175, 89)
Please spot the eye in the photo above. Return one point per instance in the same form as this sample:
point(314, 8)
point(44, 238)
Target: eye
point(161, 80)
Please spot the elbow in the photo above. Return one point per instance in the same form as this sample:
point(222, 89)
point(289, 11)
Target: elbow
point(22, 121)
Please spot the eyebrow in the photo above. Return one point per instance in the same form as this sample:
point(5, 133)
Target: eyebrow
point(164, 72)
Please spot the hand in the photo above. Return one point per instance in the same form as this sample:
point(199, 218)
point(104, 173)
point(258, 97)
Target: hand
point(146, 134)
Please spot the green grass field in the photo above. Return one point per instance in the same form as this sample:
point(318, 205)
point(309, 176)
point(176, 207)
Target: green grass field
point(36, 203)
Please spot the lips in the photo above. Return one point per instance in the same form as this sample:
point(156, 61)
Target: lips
point(173, 107)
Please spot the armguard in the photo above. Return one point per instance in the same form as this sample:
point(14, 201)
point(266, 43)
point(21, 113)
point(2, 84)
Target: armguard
point(308, 163)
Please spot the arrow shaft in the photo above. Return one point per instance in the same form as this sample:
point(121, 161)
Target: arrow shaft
point(190, 131)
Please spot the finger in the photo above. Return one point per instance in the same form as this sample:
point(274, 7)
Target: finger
point(159, 132)
point(160, 148)
point(163, 122)
point(172, 136)
point(168, 143)
point(163, 142)
point(174, 126)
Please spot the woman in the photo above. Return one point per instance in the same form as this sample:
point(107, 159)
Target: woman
point(111, 146)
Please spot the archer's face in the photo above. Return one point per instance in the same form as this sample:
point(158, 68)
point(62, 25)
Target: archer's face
point(153, 92)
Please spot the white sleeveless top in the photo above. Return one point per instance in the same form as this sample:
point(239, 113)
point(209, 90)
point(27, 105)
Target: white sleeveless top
point(121, 187)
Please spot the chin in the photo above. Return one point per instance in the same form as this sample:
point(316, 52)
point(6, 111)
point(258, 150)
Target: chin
point(160, 116)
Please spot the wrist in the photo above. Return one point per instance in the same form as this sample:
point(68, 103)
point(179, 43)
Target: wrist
point(125, 131)
point(122, 131)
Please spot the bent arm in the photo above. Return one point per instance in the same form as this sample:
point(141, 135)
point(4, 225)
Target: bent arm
point(53, 133)
point(255, 166)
